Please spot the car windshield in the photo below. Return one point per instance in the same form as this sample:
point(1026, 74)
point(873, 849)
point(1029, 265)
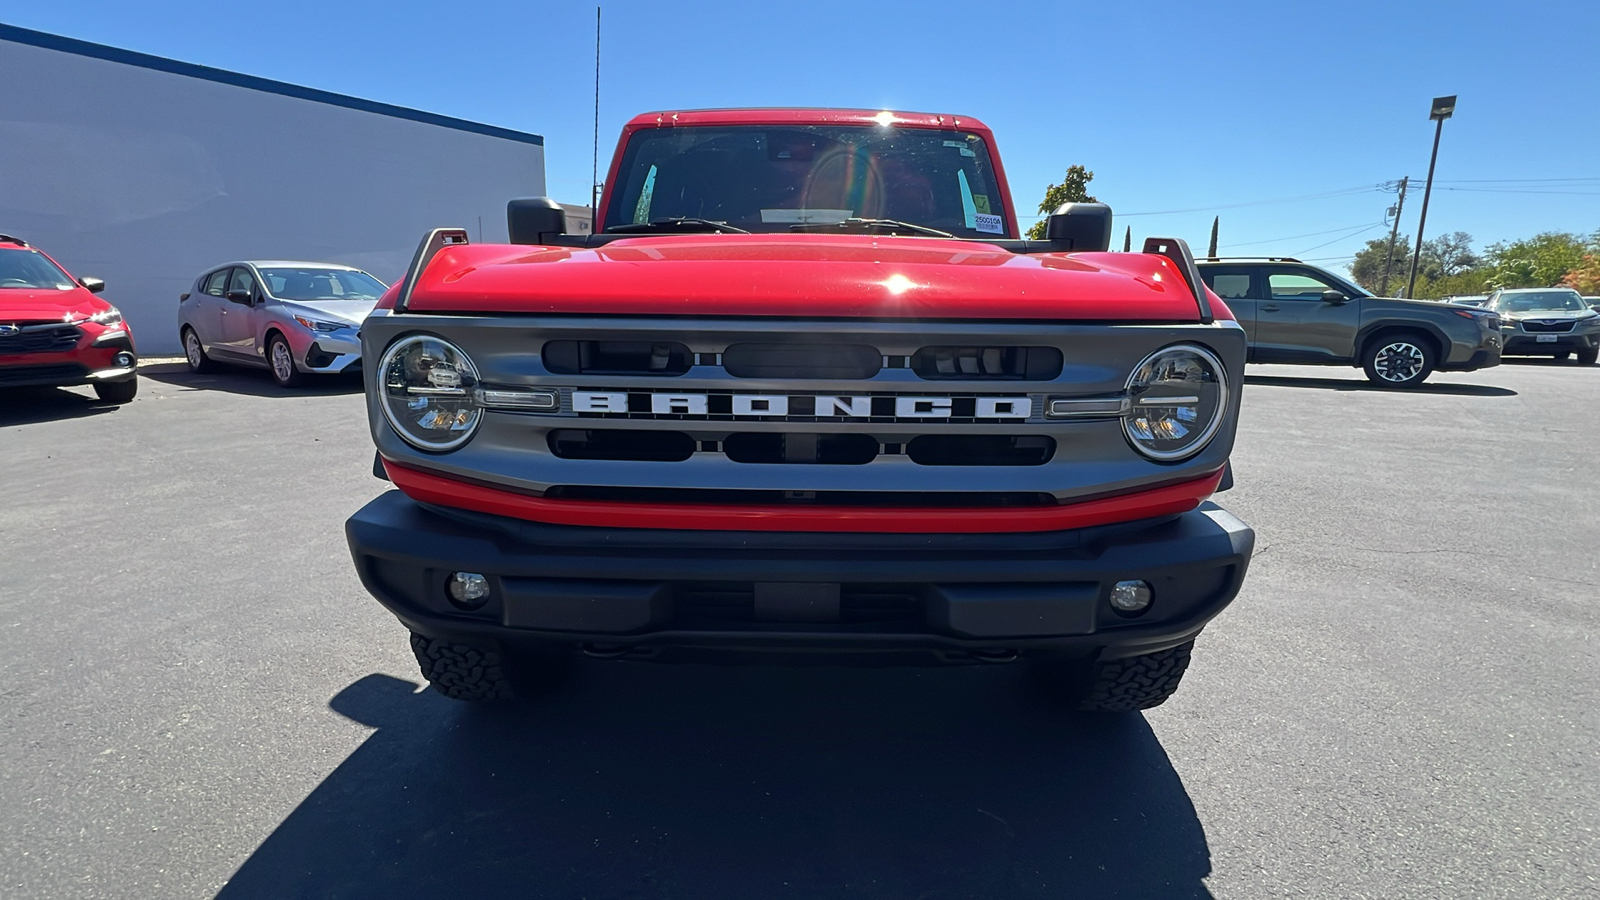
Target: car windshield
point(30, 269)
point(806, 178)
point(1541, 301)
point(309, 283)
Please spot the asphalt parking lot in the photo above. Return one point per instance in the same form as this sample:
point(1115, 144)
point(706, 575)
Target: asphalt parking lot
point(199, 699)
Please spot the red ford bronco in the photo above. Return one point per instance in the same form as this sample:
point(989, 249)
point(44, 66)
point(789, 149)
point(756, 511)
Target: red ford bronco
point(804, 393)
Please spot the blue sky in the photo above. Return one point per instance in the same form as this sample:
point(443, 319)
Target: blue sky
point(1204, 106)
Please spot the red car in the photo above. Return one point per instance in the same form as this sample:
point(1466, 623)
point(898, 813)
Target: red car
point(54, 331)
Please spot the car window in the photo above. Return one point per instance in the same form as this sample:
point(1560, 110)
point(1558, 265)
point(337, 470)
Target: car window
point(216, 282)
point(1229, 282)
point(1298, 286)
point(242, 280)
point(31, 269)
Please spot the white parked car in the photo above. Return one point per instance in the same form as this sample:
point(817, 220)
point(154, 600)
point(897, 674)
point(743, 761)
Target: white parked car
point(292, 318)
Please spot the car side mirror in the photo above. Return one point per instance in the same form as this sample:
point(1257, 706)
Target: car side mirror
point(1334, 297)
point(1081, 226)
point(92, 285)
point(535, 220)
point(238, 296)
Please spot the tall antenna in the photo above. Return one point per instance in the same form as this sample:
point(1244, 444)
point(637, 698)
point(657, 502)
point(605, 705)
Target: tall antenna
point(594, 162)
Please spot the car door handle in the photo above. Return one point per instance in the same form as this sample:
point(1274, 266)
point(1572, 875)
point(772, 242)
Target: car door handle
point(1271, 308)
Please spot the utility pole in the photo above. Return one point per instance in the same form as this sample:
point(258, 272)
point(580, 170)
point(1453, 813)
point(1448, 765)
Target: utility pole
point(1443, 108)
point(1394, 235)
point(594, 161)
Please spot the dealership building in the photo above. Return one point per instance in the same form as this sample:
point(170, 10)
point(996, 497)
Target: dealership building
point(144, 171)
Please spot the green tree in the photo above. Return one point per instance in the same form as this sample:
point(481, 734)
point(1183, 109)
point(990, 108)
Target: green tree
point(1074, 188)
point(1585, 279)
point(1540, 261)
point(1367, 267)
point(1448, 255)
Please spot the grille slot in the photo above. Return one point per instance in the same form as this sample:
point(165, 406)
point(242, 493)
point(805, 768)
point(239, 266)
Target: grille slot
point(634, 446)
point(841, 361)
point(41, 374)
point(41, 340)
point(723, 497)
point(617, 357)
point(805, 447)
point(1548, 327)
point(981, 450)
point(987, 363)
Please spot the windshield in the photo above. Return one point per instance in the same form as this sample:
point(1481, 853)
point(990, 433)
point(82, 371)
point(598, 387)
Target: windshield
point(321, 284)
point(1540, 301)
point(30, 269)
point(769, 178)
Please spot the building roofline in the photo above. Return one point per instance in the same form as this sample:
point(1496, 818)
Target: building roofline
point(76, 47)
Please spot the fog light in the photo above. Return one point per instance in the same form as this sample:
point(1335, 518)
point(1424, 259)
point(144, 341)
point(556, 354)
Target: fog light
point(1130, 596)
point(124, 359)
point(468, 590)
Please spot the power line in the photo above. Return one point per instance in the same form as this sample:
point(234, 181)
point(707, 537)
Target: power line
point(1522, 191)
point(1293, 237)
point(1341, 238)
point(1512, 180)
point(1342, 192)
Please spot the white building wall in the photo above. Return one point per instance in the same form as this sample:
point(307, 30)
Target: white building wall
point(144, 178)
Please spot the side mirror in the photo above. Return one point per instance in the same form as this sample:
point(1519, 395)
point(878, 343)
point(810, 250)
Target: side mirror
point(535, 220)
point(1081, 226)
point(93, 285)
point(1334, 297)
point(238, 296)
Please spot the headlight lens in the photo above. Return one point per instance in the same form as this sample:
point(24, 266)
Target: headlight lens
point(109, 316)
point(1179, 397)
point(428, 387)
point(315, 325)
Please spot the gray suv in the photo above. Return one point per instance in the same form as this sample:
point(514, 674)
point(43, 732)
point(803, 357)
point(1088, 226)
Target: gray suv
point(1297, 313)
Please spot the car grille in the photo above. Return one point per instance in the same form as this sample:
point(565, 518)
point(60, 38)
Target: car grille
point(66, 373)
point(1548, 326)
point(865, 606)
point(51, 337)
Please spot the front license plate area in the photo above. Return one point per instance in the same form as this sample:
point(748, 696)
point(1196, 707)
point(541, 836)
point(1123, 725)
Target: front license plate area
point(1544, 339)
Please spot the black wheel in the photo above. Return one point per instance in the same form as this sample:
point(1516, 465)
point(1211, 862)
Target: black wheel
point(117, 391)
point(1118, 685)
point(1588, 357)
point(1399, 359)
point(199, 362)
point(280, 362)
point(469, 673)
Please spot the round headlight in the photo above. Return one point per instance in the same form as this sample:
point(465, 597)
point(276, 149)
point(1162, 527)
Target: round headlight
point(1179, 396)
point(428, 386)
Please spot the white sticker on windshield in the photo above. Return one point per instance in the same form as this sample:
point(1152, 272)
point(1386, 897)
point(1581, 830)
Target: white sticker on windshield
point(988, 224)
point(962, 146)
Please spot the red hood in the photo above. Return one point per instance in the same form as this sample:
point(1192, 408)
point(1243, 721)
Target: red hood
point(27, 305)
point(805, 275)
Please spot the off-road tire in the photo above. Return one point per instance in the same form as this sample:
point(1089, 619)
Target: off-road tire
point(1588, 357)
point(117, 391)
point(294, 377)
point(462, 672)
point(1116, 685)
point(194, 353)
point(1138, 682)
point(1385, 351)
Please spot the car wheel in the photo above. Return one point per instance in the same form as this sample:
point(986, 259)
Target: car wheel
point(117, 391)
point(1588, 357)
point(1118, 685)
point(280, 362)
point(468, 673)
point(199, 362)
point(1398, 360)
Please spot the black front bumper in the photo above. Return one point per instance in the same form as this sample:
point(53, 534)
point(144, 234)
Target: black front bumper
point(1565, 342)
point(666, 594)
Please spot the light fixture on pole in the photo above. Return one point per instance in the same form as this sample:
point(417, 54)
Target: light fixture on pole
point(1443, 108)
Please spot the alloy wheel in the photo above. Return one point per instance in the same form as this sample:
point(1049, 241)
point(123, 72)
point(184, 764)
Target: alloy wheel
point(282, 362)
point(1399, 362)
point(191, 349)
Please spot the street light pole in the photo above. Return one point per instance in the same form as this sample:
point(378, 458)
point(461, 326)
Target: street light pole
point(1443, 108)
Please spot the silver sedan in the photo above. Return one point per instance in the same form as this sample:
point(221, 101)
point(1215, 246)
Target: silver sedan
point(294, 319)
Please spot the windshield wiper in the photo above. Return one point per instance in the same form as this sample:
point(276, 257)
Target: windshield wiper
point(680, 224)
point(870, 226)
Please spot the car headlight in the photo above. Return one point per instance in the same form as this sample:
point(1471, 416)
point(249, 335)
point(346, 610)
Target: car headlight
point(316, 325)
point(1178, 397)
point(428, 386)
point(108, 316)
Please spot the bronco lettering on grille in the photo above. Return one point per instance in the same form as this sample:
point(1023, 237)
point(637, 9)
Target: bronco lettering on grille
point(757, 406)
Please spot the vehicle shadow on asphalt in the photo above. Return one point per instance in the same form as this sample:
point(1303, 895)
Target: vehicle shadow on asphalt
point(646, 781)
point(251, 382)
point(1351, 384)
point(32, 405)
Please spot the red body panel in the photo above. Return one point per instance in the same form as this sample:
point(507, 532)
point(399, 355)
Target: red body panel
point(808, 275)
point(51, 305)
point(427, 487)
